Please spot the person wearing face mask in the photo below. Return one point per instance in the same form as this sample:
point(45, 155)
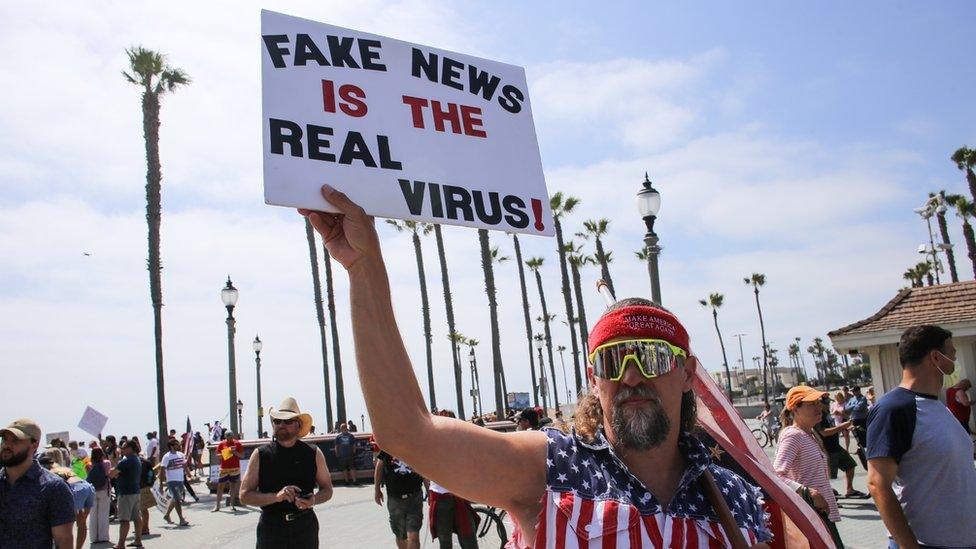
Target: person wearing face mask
point(920, 459)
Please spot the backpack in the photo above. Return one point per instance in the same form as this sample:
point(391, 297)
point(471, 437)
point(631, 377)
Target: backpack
point(97, 476)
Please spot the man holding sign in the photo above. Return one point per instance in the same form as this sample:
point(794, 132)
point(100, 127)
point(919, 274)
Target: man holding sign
point(631, 472)
point(230, 451)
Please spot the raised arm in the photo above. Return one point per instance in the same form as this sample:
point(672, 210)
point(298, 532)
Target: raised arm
point(456, 454)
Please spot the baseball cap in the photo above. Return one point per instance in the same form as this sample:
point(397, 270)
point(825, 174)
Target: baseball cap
point(802, 393)
point(23, 428)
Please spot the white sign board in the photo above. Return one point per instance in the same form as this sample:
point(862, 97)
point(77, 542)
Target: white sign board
point(407, 131)
point(61, 435)
point(92, 421)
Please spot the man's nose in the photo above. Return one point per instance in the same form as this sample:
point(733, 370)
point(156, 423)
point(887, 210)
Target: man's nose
point(632, 375)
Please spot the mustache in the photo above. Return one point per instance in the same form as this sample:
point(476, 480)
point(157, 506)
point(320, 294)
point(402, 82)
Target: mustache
point(638, 391)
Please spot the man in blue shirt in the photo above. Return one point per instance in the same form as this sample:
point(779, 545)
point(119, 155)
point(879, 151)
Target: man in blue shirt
point(36, 506)
point(920, 468)
point(127, 489)
point(857, 407)
point(345, 450)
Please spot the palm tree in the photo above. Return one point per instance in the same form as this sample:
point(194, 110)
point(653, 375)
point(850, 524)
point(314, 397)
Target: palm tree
point(148, 70)
point(965, 209)
point(497, 258)
point(756, 281)
point(334, 328)
point(799, 356)
point(496, 348)
point(940, 216)
point(534, 264)
point(416, 228)
point(819, 350)
point(564, 206)
point(794, 351)
point(914, 276)
point(715, 301)
point(642, 254)
point(965, 159)
point(449, 306)
point(924, 269)
point(577, 260)
point(313, 257)
point(596, 229)
point(528, 321)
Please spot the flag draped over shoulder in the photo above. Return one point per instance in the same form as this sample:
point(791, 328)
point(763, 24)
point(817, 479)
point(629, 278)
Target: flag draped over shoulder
point(794, 523)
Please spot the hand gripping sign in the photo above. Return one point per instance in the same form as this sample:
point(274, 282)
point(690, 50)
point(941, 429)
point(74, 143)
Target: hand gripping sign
point(407, 131)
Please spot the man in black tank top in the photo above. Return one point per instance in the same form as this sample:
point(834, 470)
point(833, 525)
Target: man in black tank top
point(281, 478)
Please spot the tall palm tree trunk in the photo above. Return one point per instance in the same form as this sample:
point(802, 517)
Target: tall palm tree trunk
point(967, 232)
point(762, 331)
point(449, 307)
point(971, 179)
point(545, 324)
point(568, 300)
point(496, 350)
point(950, 255)
point(528, 320)
point(313, 257)
point(725, 360)
point(425, 308)
point(578, 289)
point(604, 268)
point(154, 177)
point(336, 357)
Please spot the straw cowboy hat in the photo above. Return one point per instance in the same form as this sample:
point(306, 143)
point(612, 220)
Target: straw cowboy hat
point(289, 409)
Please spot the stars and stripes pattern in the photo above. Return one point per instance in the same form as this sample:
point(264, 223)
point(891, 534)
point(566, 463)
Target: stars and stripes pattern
point(188, 439)
point(592, 500)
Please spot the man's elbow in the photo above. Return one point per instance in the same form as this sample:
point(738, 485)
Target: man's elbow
point(245, 496)
point(326, 492)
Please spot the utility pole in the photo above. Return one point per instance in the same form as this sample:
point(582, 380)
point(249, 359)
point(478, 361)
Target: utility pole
point(742, 366)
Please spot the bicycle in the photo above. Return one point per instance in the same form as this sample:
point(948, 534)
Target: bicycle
point(764, 437)
point(490, 526)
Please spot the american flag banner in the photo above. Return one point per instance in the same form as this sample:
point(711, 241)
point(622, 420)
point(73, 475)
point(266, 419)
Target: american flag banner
point(215, 432)
point(188, 439)
point(795, 524)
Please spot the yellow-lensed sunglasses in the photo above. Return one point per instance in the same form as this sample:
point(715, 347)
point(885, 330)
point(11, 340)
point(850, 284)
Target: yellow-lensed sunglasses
point(653, 357)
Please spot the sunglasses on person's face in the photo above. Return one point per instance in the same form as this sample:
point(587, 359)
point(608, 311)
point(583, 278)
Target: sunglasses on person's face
point(653, 357)
point(291, 421)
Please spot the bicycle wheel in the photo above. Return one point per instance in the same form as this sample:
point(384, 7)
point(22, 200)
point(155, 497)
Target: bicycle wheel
point(491, 530)
point(761, 436)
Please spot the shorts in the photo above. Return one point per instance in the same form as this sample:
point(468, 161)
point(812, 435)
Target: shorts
point(840, 460)
point(175, 489)
point(345, 463)
point(129, 509)
point(406, 514)
point(229, 476)
point(146, 499)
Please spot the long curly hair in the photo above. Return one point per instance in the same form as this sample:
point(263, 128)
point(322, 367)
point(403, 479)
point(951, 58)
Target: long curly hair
point(588, 418)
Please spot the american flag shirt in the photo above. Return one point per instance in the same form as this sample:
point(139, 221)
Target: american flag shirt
point(592, 500)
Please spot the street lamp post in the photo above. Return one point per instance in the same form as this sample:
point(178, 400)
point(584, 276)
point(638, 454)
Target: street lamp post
point(475, 383)
point(569, 394)
point(257, 345)
point(362, 422)
point(649, 204)
point(742, 365)
point(543, 384)
point(229, 296)
point(240, 415)
point(474, 390)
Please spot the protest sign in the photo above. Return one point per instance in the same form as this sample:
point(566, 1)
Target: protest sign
point(92, 421)
point(407, 131)
point(60, 435)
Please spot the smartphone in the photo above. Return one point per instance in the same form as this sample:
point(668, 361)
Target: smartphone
point(306, 496)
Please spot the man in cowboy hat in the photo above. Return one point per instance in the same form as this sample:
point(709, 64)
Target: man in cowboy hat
point(631, 471)
point(281, 478)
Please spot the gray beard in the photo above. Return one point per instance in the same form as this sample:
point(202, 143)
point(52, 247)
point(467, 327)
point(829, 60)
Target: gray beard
point(15, 459)
point(639, 428)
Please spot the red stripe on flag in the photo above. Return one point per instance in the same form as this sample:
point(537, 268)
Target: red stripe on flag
point(585, 517)
point(677, 532)
point(718, 539)
point(691, 533)
point(563, 512)
point(540, 531)
point(633, 526)
point(653, 531)
point(610, 525)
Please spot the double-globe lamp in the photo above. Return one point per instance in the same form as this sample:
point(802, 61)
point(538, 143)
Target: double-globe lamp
point(648, 205)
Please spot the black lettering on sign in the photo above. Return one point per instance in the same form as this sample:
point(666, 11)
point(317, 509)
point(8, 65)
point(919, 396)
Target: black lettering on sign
point(451, 73)
point(317, 144)
point(355, 149)
point(482, 82)
point(413, 193)
point(427, 65)
point(279, 138)
point(457, 199)
point(306, 50)
point(515, 210)
point(277, 54)
point(511, 99)
point(495, 216)
point(436, 208)
point(340, 48)
point(386, 161)
point(369, 54)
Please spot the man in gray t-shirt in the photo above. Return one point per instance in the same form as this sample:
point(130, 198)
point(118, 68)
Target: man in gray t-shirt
point(920, 459)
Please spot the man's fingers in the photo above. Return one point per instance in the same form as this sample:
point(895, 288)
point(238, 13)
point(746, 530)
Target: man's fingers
point(340, 200)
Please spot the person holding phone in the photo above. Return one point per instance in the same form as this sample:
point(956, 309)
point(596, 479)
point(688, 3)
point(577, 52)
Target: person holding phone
point(281, 479)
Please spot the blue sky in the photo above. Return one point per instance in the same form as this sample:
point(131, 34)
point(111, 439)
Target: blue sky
point(790, 140)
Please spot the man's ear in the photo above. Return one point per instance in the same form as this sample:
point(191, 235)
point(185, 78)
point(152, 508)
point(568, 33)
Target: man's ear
point(688, 372)
point(591, 379)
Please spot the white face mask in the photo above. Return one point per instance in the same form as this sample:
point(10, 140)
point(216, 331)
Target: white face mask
point(951, 378)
